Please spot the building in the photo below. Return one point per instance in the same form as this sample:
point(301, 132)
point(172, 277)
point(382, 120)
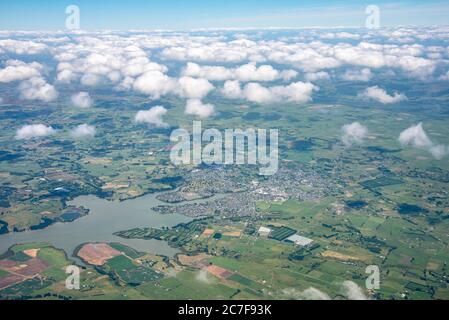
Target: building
point(264, 231)
point(299, 240)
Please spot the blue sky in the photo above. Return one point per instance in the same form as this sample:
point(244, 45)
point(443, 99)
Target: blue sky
point(185, 14)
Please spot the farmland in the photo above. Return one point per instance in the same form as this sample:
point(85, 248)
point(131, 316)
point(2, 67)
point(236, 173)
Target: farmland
point(147, 228)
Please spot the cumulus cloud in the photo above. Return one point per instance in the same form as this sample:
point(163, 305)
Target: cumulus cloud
point(16, 70)
point(340, 35)
point(157, 84)
point(119, 59)
point(417, 66)
point(415, 136)
point(349, 289)
point(314, 76)
point(297, 92)
point(308, 294)
point(82, 100)
point(104, 60)
point(196, 107)
point(357, 75)
point(124, 61)
point(353, 133)
point(213, 73)
point(352, 291)
point(154, 83)
point(232, 90)
point(243, 73)
point(37, 89)
point(300, 92)
point(380, 95)
point(34, 131)
point(257, 93)
point(193, 88)
point(83, 131)
point(152, 116)
point(315, 294)
point(22, 47)
point(203, 276)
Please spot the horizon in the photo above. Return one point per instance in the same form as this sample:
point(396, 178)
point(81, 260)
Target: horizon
point(175, 15)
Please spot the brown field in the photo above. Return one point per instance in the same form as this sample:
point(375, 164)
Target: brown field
point(433, 266)
point(193, 261)
point(232, 234)
point(31, 252)
point(207, 232)
point(97, 253)
point(115, 185)
point(10, 279)
point(31, 268)
point(7, 264)
point(97, 161)
point(338, 256)
point(219, 271)
point(20, 271)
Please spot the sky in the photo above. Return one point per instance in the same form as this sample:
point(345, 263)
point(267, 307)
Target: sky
point(198, 14)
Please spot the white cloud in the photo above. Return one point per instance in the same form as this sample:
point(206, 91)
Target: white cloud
point(297, 91)
point(315, 294)
point(353, 133)
point(18, 70)
point(112, 58)
point(417, 67)
point(203, 276)
point(66, 76)
point(308, 294)
point(82, 100)
point(340, 35)
point(300, 92)
point(152, 116)
point(22, 47)
point(193, 88)
point(213, 73)
point(197, 108)
point(232, 90)
point(416, 136)
point(34, 131)
point(256, 93)
point(357, 75)
point(314, 76)
point(439, 151)
point(37, 89)
point(352, 291)
point(90, 79)
point(380, 95)
point(83, 131)
point(154, 83)
point(103, 60)
point(250, 72)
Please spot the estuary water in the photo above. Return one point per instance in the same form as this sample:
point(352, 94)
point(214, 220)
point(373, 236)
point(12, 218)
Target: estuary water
point(104, 218)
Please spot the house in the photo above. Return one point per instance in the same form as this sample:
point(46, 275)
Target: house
point(264, 231)
point(299, 240)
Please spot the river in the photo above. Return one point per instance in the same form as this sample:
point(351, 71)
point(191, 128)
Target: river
point(105, 217)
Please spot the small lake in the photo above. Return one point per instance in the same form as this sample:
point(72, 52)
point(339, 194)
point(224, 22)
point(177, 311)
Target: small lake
point(104, 218)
